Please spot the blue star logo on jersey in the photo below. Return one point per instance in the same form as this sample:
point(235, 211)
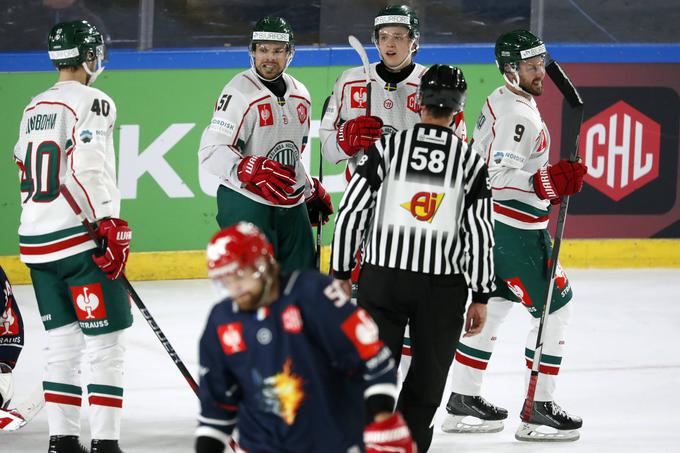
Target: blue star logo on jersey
point(86, 136)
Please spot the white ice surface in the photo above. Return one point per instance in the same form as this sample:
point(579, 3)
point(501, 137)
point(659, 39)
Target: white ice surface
point(621, 372)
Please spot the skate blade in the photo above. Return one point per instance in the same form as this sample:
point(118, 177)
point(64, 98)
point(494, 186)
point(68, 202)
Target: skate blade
point(466, 424)
point(530, 432)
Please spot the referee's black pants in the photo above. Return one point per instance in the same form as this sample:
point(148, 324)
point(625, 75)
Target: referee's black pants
point(433, 306)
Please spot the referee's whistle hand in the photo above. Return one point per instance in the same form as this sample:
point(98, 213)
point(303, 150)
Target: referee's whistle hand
point(474, 319)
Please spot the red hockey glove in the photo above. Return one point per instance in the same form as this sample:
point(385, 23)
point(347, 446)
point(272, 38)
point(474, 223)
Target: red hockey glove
point(115, 236)
point(319, 203)
point(359, 133)
point(563, 178)
point(391, 434)
point(266, 178)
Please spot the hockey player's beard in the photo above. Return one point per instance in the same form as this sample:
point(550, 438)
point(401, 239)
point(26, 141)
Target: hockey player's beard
point(535, 88)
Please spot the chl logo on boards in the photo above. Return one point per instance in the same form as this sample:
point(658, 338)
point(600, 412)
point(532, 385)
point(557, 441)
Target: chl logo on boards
point(629, 141)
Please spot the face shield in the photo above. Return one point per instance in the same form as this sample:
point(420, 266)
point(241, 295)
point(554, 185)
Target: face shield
point(98, 55)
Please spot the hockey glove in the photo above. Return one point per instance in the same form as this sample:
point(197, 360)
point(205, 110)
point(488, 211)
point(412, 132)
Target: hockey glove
point(359, 133)
point(563, 178)
point(319, 203)
point(391, 434)
point(115, 237)
point(266, 178)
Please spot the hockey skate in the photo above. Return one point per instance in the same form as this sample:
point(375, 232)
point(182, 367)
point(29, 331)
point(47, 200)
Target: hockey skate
point(472, 414)
point(549, 423)
point(105, 446)
point(66, 444)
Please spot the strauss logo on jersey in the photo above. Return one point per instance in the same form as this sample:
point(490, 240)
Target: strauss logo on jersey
point(424, 205)
point(265, 114)
point(231, 338)
point(358, 97)
point(89, 302)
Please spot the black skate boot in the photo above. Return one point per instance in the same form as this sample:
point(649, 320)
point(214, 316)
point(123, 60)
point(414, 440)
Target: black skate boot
point(561, 427)
point(487, 418)
point(66, 444)
point(105, 446)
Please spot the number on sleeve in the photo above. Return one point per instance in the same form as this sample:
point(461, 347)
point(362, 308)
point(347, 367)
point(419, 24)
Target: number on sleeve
point(223, 102)
point(519, 132)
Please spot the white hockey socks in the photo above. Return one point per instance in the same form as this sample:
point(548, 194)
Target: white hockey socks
point(105, 354)
point(61, 387)
point(473, 353)
point(553, 351)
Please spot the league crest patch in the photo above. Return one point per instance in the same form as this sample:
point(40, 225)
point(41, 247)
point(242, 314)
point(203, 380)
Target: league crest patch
point(231, 338)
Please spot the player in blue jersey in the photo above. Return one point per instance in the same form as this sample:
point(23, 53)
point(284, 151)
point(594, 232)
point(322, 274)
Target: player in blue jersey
point(11, 339)
point(289, 361)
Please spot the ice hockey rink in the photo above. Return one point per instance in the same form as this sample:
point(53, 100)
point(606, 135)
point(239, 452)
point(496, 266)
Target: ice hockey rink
point(621, 372)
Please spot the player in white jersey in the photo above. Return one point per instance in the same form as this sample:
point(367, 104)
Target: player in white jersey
point(258, 132)
point(512, 137)
point(66, 137)
point(346, 129)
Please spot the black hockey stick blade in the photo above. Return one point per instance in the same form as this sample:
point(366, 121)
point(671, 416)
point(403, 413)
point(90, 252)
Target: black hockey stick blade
point(564, 84)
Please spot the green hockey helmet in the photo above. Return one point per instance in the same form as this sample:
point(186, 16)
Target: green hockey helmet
point(397, 15)
point(75, 44)
point(443, 86)
point(272, 28)
point(515, 46)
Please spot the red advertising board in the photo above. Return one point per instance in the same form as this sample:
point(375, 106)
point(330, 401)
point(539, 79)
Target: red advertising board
point(629, 140)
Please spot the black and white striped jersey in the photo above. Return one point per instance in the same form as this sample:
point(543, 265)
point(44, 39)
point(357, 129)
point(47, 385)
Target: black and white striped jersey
point(421, 200)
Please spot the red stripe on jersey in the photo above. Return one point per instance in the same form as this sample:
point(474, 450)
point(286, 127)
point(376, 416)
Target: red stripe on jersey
point(469, 361)
point(518, 215)
point(545, 369)
point(512, 188)
point(244, 116)
point(229, 407)
point(300, 97)
point(52, 103)
point(405, 350)
point(62, 399)
point(96, 400)
point(488, 104)
point(51, 248)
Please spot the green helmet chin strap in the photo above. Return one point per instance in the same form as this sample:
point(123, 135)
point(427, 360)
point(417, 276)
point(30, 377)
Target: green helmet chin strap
point(398, 15)
point(76, 43)
point(272, 29)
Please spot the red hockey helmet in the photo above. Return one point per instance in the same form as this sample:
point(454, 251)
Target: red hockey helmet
point(236, 247)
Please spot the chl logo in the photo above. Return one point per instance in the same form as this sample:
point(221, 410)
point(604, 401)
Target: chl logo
point(358, 97)
point(423, 206)
point(621, 147)
point(265, 114)
point(89, 302)
point(412, 103)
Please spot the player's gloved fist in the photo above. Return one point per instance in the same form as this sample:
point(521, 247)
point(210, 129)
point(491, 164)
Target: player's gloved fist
point(115, 237)
point(267, 178)
point(359, 133)
point(319, 203)
point(391, 434)
point(563, 178)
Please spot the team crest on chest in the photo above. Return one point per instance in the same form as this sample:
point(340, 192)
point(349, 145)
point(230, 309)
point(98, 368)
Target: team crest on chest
point(265, 114)
point(89, 302)
point(302, 112)
point(285, 153)
point(231, 338)
point(358, 97)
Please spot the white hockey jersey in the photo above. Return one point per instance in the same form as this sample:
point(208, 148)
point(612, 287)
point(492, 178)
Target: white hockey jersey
point(515, 142)
point(249, 120)
point(65, 137)
point(398, 108)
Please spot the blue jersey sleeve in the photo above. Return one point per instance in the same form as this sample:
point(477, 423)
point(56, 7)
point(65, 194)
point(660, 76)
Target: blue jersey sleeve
point(219, 392)
point(349, 336)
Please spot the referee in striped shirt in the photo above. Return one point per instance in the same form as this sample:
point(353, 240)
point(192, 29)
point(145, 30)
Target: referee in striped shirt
point(421, 200)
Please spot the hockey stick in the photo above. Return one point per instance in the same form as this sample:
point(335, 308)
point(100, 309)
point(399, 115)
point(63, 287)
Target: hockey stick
point(133, 294)
point(16, 418)
point(571, 95)
point(319, 231)
point(356, 45)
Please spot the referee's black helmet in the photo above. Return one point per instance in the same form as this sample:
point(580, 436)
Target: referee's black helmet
point(443, 86)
